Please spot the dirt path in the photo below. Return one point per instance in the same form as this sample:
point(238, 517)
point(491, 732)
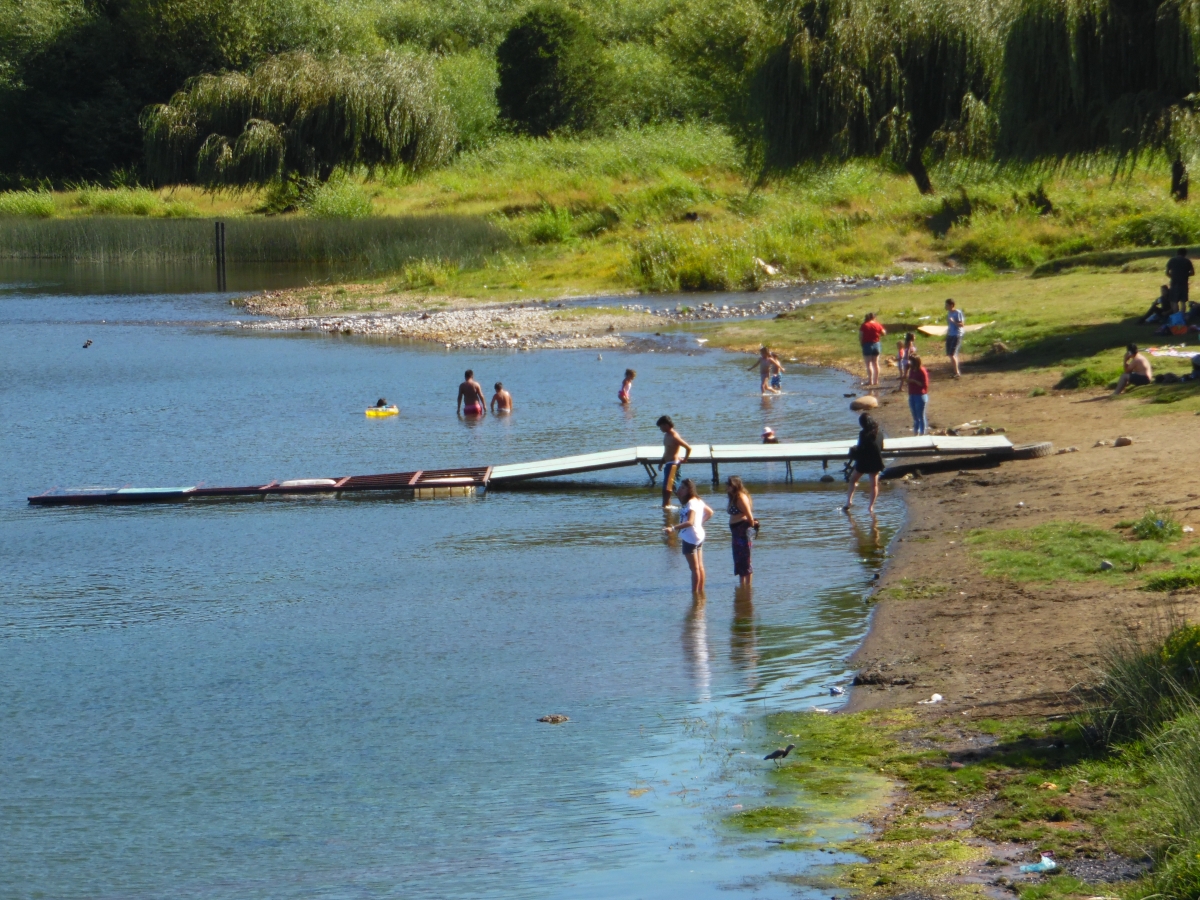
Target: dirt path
point(989, 646)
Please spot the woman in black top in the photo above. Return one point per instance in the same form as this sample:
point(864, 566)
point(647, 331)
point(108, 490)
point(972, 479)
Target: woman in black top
point(868, 459)
point(741, 520)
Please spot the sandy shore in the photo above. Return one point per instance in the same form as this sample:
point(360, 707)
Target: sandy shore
point(993, 647)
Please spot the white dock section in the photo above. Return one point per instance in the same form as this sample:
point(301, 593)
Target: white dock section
point(649, 456)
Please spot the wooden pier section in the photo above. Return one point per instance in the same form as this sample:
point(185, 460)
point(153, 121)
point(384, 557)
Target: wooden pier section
point(466, 481)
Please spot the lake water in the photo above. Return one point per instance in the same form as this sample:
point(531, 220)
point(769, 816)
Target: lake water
point(337, 698)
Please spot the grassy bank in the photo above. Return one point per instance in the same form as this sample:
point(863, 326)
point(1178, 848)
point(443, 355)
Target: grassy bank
point(1068, 331)
point(672, 207)
point(1119, 779)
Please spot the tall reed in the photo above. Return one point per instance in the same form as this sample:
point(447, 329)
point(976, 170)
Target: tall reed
point(371, 244)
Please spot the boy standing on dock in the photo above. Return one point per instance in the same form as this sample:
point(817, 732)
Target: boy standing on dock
point(675, 452)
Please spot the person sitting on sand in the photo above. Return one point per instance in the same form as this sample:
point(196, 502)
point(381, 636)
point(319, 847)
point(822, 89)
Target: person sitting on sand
point(765, 363)
point(1137, 370)
point(624, 394)
point(502, 399)
point(675, 452)
point(470, 396)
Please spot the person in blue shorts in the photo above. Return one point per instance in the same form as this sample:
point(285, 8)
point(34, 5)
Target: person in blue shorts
point(955, 322)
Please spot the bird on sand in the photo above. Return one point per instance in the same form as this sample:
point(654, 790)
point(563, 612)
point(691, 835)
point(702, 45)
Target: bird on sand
point(776, 755)
point(87, 343)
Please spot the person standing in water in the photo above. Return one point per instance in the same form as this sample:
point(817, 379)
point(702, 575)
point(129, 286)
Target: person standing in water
point(764, 363)
point(870, 333)
point(868, 459)
point(955, 323)
point(777, 371)
point(691, 531)
point(626, 391)
point(741, 520)
point(675, 452)
point(470, 396)
point(502, 399)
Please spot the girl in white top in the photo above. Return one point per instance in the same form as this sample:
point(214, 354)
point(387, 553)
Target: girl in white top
point(694, 514)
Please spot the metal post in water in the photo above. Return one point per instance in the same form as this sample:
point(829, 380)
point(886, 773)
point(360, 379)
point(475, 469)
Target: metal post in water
point(220, 255)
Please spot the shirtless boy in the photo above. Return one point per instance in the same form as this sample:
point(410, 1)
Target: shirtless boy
point(502, 399)
point(675, 451)
point(765, 363)
point(470, 396)
point(1137, 370)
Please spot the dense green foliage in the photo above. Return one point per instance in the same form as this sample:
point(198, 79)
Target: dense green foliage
point(553, 72)
point(298, 116)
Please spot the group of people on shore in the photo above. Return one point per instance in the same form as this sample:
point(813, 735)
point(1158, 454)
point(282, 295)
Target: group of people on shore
point(914, 376)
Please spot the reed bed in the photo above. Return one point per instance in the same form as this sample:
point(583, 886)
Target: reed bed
point(373, 244)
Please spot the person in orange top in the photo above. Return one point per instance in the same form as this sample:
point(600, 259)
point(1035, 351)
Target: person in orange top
point(870, 333)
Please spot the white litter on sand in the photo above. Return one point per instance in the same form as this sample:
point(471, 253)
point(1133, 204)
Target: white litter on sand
point(936, 698)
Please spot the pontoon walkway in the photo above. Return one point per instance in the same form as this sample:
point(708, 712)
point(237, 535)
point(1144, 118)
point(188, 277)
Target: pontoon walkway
point(447, 482)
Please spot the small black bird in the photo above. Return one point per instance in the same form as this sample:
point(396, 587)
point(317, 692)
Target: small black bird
point(87, 343)
point(776, 755)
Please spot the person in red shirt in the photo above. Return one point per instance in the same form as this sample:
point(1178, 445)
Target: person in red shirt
point(870, 333)
point(917, 379)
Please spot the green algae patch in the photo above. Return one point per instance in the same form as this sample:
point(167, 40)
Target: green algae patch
point(772, 817)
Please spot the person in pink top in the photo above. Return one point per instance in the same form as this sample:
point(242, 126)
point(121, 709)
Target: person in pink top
point(870, 333)
point(624, 394)
point(917, 379)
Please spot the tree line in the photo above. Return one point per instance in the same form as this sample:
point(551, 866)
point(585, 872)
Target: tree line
point(257, 92)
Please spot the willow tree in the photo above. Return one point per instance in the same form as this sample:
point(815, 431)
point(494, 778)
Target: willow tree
point(871, 77)
point(296, 116)
point(1082, 76)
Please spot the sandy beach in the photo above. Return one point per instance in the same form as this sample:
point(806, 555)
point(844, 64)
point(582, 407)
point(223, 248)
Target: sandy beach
point(993, 647)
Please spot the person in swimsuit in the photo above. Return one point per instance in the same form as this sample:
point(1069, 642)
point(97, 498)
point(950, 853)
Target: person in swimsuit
point(868, 459)
point(675, 452)
point(470, 397)
point(626, 387)
point(691, 531)
point(764, 363)
point(777, 371)
point(502, 399)
point(1137, 370)
point(741, 520)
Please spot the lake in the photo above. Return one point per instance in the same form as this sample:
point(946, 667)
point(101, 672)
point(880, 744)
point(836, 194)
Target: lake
point(338, 698)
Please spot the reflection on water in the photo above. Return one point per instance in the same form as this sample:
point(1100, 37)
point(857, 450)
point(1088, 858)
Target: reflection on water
point(48, 276)
point(295, 698)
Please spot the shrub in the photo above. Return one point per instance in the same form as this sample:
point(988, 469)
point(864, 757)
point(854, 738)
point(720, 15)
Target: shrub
point(553, 72)
point(298, 116)
point(665, 261)
point(648, 87)
point(1157, 525)
point(551, 226)
point(1145, 684)
point(426, 273)
point(468, 83)
point(337, 199)
point(34, 204)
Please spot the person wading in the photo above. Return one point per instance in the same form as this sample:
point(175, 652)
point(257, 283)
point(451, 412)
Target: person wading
point(470, 396)
point(741, 520)
point(691, 531)
point(867, 458)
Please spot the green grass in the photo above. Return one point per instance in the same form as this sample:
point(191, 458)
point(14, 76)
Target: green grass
point(1073, 551)
point(132, 202)
point(1175, 579)
point(32, 204)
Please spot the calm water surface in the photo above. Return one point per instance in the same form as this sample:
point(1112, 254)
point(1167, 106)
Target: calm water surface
point(337, 698)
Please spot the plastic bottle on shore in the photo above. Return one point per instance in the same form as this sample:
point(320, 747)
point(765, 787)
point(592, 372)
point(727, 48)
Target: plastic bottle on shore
point(1045, 864)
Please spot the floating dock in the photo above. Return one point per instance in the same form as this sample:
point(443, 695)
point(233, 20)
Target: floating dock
point(465, 481)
